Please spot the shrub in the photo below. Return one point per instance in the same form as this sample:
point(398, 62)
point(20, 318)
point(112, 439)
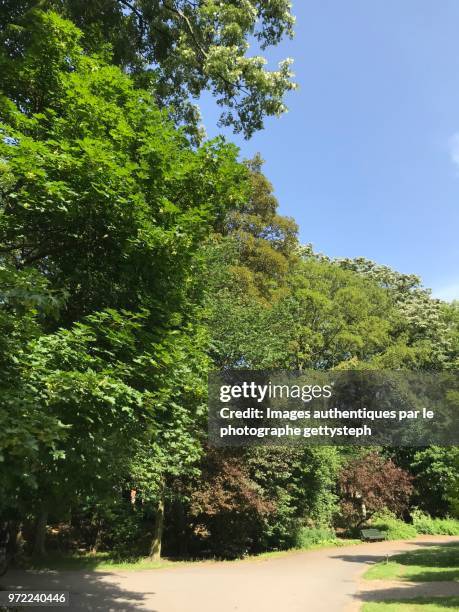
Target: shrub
point(425, 524)
point(228, 508)
point(370, 483)
point(395, 528)
point(310, 536)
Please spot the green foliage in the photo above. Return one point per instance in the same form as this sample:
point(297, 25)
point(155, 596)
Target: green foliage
point(312, 536)
point(333, 316)
point(132, 262)
point(328, 317)
point(450, 314)
point(263, 241)
point(394, 528)
point(425, 524)
point(301, 485)
point(423, 329)
point(125, 533)
point(182, 48)
point(453, 492)
point(96, 157)
point(24, 429)
point(104, 205)
point(260, 499)
point(435, 470)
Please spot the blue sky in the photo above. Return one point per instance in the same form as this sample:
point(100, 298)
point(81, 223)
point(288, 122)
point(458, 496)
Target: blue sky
point(367, 158)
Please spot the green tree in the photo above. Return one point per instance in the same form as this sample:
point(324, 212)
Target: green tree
point(434, 471)
point(183, 48)
point(453, 492)
point(104, 206)
point(24, 428)
point(263, 242)
point(301, 482)
point(327, 317)
point(422, 327)
point(99, 181)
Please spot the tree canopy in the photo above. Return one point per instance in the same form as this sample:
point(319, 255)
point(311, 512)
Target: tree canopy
point(134, 260)
point(181, 48)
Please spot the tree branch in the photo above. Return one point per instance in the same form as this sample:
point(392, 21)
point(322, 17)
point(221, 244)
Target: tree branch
point(184, 18)
point(139, 16)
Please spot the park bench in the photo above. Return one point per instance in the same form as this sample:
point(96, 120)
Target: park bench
point(372, 535)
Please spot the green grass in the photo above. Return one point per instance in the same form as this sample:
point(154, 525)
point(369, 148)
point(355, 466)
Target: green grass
point(105, 562)
point(337, 543)
point(432, 604)
point(99, 561)
point(425, 565)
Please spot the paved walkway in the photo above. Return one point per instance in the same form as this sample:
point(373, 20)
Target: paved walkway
point(325, 580)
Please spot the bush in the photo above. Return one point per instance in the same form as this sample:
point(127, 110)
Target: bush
point(228, 508)
point(425, 524)
point(395, 528)
point(370, 483)
point(310, 536)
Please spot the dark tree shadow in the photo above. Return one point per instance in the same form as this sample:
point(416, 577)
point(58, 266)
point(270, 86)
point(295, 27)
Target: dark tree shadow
point(446, 575)
point(87, 590)
point(435, 584)
point(437, 555)
point(369, 558)
point(443, 544)
point(410, 595)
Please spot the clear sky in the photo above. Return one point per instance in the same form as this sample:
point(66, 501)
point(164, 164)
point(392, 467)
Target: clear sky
point(367, 158)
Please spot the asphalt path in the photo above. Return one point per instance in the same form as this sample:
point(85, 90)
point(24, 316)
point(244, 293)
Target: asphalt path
point(325, 580)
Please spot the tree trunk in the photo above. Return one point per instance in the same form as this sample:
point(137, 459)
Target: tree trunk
point(16, 542)
point(98, 539)
point(39, 549)
point(155, 548)
point(363, 510)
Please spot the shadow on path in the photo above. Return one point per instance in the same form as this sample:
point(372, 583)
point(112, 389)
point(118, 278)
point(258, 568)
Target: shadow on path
point(369, 559)
point(89, 591)
point(397, 591)
point(438, 554)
